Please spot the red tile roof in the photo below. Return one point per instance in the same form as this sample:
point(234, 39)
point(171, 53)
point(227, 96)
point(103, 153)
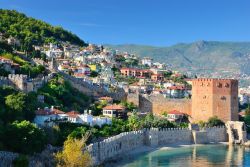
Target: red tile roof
point(114, 107)
point(49, 112)
point(176, 87)
point(242, 113)
point(175, 112)
point(73, 114)
point(79, 74)
point(105, 98)
point(56, 111)
point(129, 69)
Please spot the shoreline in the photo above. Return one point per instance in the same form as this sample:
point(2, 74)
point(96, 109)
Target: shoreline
point(118, 160)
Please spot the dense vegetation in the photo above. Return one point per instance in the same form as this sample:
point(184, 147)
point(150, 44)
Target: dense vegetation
point(22, 137)
point(16, 105)
point(5, 48)
point(246, 119)
point(212, 121)
point(17, 109)
point(33, 32)
point(61, 94)
point(24, 66)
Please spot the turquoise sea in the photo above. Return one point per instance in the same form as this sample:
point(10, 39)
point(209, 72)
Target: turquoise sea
point(197, 156)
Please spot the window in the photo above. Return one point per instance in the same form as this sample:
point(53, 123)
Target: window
point(223, 98)
point(219, 85)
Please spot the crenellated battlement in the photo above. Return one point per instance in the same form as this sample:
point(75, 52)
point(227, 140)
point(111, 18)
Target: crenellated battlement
point(17, 77)
point(4, 81)
point(3, 78)
point(154, 137)
point(23, 83)
point(213, 79)
point(219, 83)
point(214, 128)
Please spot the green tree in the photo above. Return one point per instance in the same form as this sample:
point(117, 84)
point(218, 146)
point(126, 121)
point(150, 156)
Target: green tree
point(247, 111)
point(129, 105)
point(134, 122)
point(247, 122)
point(215, 121)
point(33, 32)
point(78, 133)
point(148, 120)
point(24, 137)
point(16, 104)
point(21, 161)
point(21, 106)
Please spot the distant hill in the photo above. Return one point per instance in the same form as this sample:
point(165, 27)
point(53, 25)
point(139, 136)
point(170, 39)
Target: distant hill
point(202, 57)
point(31, 31)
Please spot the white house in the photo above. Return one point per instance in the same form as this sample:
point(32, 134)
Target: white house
point(82, 70)
point(48, 116)
point(86, 118)
point(114, 111)
point(101, 121)
point(147, 61)
point(175, 116)
point(175, 92)
point(75, 117)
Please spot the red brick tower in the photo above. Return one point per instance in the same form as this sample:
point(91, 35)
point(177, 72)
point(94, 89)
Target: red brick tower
point(214, 97)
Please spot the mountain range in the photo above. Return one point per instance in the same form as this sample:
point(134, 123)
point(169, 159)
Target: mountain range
point(204, 58)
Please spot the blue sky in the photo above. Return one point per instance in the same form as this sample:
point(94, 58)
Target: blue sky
point(147, 22)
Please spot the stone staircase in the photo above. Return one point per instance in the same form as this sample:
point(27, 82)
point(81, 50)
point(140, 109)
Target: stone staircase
point(236, 132)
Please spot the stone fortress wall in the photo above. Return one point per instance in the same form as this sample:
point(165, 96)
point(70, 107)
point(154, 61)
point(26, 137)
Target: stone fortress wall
point(210, 97)
point(158, 104)
point(93, 90)
point(4, 81)
point(21, 82)
point(128, 141)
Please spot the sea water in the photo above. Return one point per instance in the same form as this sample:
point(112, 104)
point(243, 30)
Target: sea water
point(196, 156)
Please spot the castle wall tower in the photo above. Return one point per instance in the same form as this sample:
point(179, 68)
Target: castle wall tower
point(19, 81)
point(214, 97)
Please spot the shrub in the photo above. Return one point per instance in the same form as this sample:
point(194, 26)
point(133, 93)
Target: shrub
point(72, 153)
point(21, 161)
point(215, 121)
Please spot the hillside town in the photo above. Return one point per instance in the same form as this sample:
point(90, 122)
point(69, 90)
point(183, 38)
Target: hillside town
point(108, 70)
point(111, 102)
